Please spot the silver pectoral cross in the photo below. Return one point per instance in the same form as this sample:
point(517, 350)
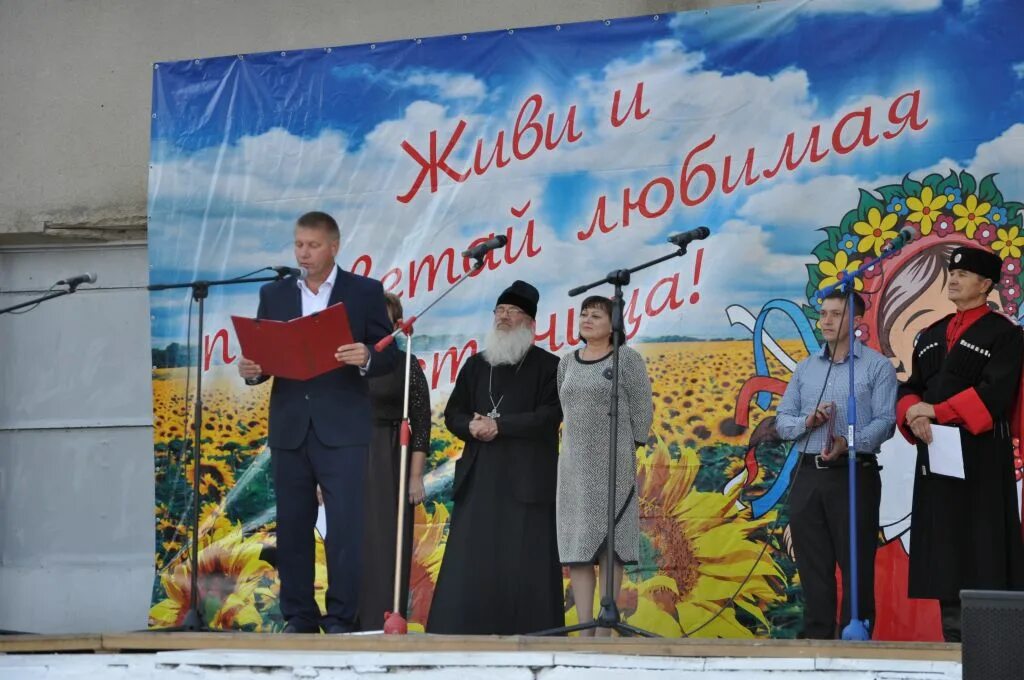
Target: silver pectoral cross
point(494, 414)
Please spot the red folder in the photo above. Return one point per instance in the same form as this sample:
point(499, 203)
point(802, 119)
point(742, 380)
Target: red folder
point(299, 349)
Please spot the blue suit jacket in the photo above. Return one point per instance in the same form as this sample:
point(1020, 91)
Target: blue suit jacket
point(337, 403)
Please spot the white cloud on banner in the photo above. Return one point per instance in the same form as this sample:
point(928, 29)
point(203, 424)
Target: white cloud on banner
point(687, 106)
point(449, 85)
point(445, 84)
point(739, 260)
point(813, 204)
point(272, 167)
point(1005, 155)
point(803, 205)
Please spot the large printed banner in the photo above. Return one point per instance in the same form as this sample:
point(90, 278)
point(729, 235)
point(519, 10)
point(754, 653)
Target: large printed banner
point(804, 135)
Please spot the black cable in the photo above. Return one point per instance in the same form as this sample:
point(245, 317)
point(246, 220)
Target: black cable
point(785, 499)
point(257, 271)
point(188, 443)
point(895, 522)
point(33, 307)
point(188, 431)
point(188, 378)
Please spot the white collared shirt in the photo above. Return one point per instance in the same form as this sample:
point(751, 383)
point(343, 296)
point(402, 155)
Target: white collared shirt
point(317, 302)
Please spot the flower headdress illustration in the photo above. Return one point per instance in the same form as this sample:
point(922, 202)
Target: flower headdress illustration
point(904, 293)
point(947, 212)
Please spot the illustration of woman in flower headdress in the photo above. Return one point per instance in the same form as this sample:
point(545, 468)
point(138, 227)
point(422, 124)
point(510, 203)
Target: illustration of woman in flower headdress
point(905, 294)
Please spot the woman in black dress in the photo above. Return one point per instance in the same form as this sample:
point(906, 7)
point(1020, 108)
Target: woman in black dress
point(382, 477)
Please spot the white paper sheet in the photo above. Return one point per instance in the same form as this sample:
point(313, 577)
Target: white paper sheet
point(945, 454)
point(321, 521)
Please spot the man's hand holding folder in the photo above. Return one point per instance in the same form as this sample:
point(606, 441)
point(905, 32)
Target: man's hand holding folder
point(353, 354)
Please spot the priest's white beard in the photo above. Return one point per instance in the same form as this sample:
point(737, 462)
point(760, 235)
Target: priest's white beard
point(507, 347)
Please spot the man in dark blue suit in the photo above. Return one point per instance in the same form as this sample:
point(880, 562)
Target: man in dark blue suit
point(319, 430)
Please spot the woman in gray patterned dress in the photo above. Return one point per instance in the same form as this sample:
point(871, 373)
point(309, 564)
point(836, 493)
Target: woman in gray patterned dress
point(584, 387)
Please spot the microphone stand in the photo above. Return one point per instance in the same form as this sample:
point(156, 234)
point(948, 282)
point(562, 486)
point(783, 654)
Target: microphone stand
point(43, 298)
point(193, 621)
point(394, 622)
point(856, 629)
point(609, 616)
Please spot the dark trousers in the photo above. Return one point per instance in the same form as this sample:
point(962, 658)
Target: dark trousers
point(819, 520)
point(950, 610)
point(340, 472)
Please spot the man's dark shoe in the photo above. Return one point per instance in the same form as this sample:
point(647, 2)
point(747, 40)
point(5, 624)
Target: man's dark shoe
point(338, 628)
point(299, 626)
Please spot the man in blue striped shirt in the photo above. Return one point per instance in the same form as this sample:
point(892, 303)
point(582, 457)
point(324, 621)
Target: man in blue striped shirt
point(812, 413)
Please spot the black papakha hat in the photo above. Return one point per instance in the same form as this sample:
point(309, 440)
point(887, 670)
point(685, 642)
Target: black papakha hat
point(982, 262)
point(522, 295)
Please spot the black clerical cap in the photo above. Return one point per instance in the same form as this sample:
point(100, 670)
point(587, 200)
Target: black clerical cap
point(984, 263)
point(522, 295)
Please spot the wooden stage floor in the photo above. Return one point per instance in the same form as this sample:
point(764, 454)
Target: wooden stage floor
point(110, 643)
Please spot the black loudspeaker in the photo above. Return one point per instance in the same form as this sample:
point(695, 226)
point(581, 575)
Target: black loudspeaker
point(992, 623)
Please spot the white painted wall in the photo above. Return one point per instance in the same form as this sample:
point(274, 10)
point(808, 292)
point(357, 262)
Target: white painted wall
point(76, 461)
point(214, 665)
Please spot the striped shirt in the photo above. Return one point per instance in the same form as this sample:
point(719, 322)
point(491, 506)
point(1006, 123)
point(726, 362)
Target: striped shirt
point(875, 387)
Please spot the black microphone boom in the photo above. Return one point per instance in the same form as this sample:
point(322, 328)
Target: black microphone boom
point(72, 282)
point(75, 281)
point(684, 238)
point(297, 272)
point(481, 249)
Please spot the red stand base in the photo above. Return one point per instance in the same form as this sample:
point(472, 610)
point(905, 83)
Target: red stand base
point(395, 624)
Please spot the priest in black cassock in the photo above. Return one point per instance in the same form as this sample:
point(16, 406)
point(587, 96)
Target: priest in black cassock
point(965, 533)
point(500, 574)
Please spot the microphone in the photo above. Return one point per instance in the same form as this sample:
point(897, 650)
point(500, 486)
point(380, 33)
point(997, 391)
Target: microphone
point(297, 272)
point(481, 249)
point(907, 234)
point(684, 238)
point(75, 281)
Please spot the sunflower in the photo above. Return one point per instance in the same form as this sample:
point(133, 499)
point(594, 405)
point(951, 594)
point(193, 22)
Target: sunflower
point(215, 474)
point(426, 560)
point(704, 553)
point(211, 516)
point(232, 576)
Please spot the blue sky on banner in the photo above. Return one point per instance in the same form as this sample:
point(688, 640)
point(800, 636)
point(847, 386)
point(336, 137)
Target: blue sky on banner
point(242, 145)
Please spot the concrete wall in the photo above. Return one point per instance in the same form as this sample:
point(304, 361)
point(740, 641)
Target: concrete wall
point(76, 461)
point(75, 80)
